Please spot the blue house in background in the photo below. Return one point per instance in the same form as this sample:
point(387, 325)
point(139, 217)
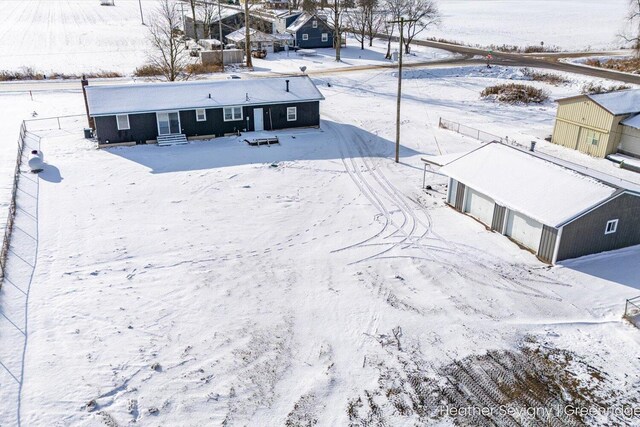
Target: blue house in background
point(310, 31)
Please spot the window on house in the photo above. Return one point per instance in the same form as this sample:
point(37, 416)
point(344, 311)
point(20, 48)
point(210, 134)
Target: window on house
point(325, 37)
point(612, 226)
point(292, 114)
point(123, 121)
point(201, 115)
point(314, 24)
point(232, 113)
point(305, 37)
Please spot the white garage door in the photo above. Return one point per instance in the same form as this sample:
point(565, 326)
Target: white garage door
point(524, 230)
point(479, 206)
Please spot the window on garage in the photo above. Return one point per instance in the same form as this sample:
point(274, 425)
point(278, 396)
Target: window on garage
point(201, 115)
point(612, 226)
point(123, 121)
point(292, 114)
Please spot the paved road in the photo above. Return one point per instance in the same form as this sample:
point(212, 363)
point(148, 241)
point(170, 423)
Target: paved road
point(467, 56)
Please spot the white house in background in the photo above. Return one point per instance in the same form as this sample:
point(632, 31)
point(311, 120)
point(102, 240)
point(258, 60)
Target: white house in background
point(556, 212)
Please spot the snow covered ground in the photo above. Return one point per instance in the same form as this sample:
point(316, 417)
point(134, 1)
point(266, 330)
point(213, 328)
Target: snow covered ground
point(220, 283)
point(568, 24)
point(75, 36)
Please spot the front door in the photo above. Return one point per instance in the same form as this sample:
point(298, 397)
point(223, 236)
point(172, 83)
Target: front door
point(258, 119)
point(168, 123)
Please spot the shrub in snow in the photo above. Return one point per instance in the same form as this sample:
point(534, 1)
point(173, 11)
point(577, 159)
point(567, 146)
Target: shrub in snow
point(592, 88)
point(515, 93)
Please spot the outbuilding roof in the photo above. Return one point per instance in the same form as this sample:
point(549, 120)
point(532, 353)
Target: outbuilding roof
point(540, 189)
point(152, 97)
point(254, 35)
point(633, 121)
point(617, 103)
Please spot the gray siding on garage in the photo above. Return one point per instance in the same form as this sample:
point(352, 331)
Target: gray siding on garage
point(547, 243)
point(459, 204)
point(499, 213)
point(586, 236)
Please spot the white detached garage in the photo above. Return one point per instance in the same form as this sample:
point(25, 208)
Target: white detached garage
point(523, 196)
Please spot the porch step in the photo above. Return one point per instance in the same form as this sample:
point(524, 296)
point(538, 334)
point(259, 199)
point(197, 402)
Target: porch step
point(173, 139)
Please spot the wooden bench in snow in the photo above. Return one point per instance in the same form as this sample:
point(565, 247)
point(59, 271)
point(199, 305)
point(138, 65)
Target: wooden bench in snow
point(306, 52)
point(262, 141)
point(173, 139)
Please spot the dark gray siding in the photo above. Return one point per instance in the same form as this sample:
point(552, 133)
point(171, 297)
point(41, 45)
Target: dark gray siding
point(460, 197)
point(547, 243)
point(497, 223)
point(142, 128)
point(315, 35)
point(586, 236)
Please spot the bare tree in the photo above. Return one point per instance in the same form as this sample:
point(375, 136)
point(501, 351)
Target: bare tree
point(632, 33)
point(357, 21)
point(247, 36)
point(209, 13)
point(309, 5)
point(337, 10)
point(170, 53)
point(393, 10)
point(420, 14)
point(375, 20)
point(193, 5)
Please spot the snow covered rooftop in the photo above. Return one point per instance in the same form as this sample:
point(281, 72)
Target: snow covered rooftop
point(255, 35)
point(633, 121)
point(151, 97)
point(544, 191)
point(619, 102)
point(302, 19)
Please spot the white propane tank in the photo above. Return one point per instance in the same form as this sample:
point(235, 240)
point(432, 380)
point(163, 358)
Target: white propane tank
point(36, 162)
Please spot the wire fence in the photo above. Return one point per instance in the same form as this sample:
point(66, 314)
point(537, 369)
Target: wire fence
point(8, 228)
point(469, 131)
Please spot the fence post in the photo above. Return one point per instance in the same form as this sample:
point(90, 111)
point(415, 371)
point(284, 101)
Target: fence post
point(59, 123)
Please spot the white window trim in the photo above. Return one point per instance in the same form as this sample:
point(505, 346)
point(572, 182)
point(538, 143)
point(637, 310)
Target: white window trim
point(233, 115)
point(204, 114)
point(314, 23)
point(614, 226)
point(305, 37)
point(325, 37)
point(118, 122)
point(295, 114)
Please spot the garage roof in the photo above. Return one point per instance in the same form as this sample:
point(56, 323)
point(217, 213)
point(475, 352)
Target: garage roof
point(153, 97)
point(540, 189)
point(617, 103)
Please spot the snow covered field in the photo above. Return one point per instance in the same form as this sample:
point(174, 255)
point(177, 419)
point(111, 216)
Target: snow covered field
point(75, 36)
point(568, 24)
point(217, 282)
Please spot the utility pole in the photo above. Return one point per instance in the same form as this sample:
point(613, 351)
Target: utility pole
point(401, 22)
point(220, 36)
point(141, 16)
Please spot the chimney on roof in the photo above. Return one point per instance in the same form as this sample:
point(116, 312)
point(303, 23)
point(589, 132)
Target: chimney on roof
point(287, 82)
point(85, 83)
point(533, 146)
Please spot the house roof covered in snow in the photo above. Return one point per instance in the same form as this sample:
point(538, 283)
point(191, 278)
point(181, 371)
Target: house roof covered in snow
point(302, 19)
point(152, 97)
point(255, 36)
point(617, 103)
point(540, 189)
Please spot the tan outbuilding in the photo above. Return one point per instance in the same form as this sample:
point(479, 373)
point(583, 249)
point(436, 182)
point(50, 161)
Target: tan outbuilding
point(600, 124)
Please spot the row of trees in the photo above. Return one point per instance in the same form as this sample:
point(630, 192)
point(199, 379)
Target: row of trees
point(366, 19)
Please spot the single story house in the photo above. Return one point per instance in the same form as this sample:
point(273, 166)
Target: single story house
point(311, 31)
point(175, 111)
point(555, 212)
point(600, 124)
